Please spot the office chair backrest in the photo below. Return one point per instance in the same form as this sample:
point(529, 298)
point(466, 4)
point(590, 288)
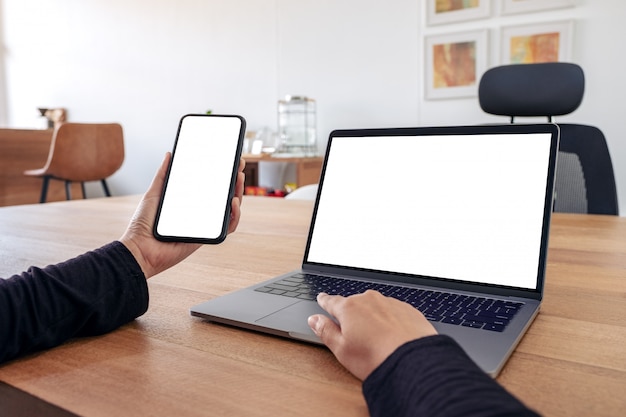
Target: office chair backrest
point(86, 151)
point(528, 90)
point(585, 181)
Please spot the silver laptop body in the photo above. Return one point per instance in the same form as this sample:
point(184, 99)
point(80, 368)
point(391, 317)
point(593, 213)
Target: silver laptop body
point(463, 210)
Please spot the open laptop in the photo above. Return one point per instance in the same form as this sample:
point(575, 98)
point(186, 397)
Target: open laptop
point(458, 215)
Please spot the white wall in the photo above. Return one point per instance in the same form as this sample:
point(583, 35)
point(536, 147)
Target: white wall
point(142, 63)
point(145, 63)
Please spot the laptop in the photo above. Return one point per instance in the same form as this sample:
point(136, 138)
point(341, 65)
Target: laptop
point(457, 216)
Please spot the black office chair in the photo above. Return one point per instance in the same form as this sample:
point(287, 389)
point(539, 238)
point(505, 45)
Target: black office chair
point(585, 182)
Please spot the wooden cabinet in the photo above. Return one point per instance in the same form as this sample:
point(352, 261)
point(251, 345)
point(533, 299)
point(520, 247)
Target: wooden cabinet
point(308, 169)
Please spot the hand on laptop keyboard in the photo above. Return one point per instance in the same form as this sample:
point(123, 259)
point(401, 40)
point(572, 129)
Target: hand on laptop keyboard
point(371, 327)
point(456, 309)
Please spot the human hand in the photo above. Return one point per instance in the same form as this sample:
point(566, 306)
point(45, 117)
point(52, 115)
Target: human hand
point(153, 255)
point(370, 328)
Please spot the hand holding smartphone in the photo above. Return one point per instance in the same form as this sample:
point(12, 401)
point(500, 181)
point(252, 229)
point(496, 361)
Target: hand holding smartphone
point(200, 183)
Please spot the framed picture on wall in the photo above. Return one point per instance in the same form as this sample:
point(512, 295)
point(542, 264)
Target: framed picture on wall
point(449, 11)
point(544, 42)
point(454, 64)
point(525, 6)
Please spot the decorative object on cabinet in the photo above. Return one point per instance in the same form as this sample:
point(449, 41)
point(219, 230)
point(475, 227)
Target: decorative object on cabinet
point(54, 116)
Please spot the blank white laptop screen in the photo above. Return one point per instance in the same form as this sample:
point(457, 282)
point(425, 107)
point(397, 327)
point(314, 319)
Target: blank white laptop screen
point(454, 207)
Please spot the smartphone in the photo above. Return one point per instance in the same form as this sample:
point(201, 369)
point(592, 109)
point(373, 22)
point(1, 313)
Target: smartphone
point(196, 199)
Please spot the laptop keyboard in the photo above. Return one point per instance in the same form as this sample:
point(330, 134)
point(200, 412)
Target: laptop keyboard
point(463, 310)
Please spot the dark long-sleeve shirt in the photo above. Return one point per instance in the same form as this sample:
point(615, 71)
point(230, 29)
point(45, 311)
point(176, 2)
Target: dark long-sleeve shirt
point(434, 377)
point(103, 289)
point(89, 295)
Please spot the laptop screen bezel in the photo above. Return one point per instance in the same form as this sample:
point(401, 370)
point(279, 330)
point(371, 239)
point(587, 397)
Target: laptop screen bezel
point(431, 281)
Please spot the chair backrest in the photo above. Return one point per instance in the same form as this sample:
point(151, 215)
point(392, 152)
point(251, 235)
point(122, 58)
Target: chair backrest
point(86, 151)
point(528, 90)
point(585, 181)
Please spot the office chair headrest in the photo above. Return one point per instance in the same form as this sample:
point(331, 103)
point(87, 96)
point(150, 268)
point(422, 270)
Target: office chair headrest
point(546, 89)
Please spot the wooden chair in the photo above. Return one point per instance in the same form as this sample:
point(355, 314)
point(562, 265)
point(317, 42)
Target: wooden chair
point(82, 152)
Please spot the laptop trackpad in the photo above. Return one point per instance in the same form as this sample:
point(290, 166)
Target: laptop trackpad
point(293, 319)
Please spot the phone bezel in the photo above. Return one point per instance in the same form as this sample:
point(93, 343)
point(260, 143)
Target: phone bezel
point(233, 181)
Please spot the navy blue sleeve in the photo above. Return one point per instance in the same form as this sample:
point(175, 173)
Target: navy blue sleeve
point(89, 295)
point(434, 377)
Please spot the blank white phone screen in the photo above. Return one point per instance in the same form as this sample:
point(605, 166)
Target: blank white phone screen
point(196, 196)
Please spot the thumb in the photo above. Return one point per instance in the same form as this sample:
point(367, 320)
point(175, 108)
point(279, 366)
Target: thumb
point(326, 329)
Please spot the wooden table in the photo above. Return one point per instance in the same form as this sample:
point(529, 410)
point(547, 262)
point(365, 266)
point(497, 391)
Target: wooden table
point(571, 362)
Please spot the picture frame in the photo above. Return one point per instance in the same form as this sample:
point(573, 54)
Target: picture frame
point(526, 6)
point(533, 43)
point(459, 11)
point(454, 64)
